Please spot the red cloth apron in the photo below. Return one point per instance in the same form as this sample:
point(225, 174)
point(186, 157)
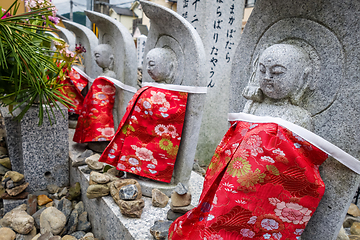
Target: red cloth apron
point(148, 138)
point(96, 121)
point(262, 183)
point(73, 85)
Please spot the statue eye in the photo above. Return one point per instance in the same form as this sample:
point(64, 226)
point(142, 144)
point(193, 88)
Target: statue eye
point(97, 54)
point(278, 70)
point(262, 68)
point(151, 63)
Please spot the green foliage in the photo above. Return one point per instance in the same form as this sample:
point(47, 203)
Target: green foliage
point(28, 71)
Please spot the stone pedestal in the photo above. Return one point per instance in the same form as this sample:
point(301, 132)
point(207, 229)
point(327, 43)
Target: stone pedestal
point(104, 214)
point(39, 152)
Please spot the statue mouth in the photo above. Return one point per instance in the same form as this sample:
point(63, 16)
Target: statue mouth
point(268, 85)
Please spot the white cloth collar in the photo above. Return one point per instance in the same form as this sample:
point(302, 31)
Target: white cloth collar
point(309, 136)
point(179, 88)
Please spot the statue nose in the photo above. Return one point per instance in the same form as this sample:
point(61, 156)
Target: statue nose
point(268, 76)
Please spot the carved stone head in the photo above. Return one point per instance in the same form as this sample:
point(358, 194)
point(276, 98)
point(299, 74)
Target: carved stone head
point(283, 71)
point(161, 64)
point(104, 56)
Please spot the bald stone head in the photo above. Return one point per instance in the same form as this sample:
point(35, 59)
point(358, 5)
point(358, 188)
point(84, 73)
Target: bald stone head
point(282, 71)
point(161, 64)
point(104, 56)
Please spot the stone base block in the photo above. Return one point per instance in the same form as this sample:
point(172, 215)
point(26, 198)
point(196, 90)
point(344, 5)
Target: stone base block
point(104, 214)
point(39, 152)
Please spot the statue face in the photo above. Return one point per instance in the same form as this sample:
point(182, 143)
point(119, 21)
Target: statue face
point(103, 56)
point(159, 65)
point(280, 70)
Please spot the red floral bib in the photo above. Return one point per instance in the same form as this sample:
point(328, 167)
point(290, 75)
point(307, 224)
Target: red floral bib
point(96, 121)
point(148, 138)
point(73, 85)
point(262, 183)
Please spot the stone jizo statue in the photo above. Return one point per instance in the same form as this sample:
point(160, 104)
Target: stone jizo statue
point(161, 65)
point(104, 57)
point(281, 81)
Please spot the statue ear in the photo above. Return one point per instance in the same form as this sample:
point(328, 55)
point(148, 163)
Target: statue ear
point(111, 62)
point(305, 83)
point(170, 77)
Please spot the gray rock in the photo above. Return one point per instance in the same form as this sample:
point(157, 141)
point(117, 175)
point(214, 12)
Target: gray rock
point(78, 234)
point(128, 192)
point(52, 220)
point(74, 191)
point(86, 170)
point(160, 229)
point(115, 187)
point(99, 147)
point(5, 162)
point(342, 235)
point(97, 190)
point(353, 210)
point(181, 189)
point(52, 188)
point(17, 190)
point(45, 236)
point(3, 170)
point(198, 169)
point(36, 217)
point(172, 216)
point(80, 159)
point(349, 220)
point(72, 124)
point(115, 172)
point(36, 236)
point(132, 209)
point(18, 220)
point(4, 181)
point(83, 223)
point(87, 153)
point(158, 198)
point(93, 162)
point(71, 224)
point(99, 178)
point(32, 204)
point(64, 205)
point(63, 192)
point(69, 237)
point(181, 209)
point(29, 236)
point(15, 176)
point(79, 207)
point(180, 200)
point(7, 233)
point(12, 184)
point(54, 196)
point(55, 238)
